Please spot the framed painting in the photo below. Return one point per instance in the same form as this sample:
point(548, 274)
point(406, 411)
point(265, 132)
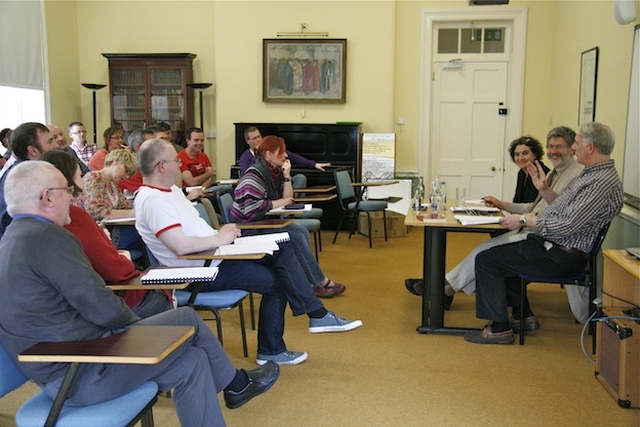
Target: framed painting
point(588, 80)
point(303, 71)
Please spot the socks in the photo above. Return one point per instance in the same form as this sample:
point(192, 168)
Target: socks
point(448, 290)
point(239, 382)
point(500, 326)
point(318, 314)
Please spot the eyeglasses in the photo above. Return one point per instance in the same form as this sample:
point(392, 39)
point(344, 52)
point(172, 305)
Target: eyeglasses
point(556, 146)
point(70, 189)
point(116, 137)
point(178, 160)
point(79, 132)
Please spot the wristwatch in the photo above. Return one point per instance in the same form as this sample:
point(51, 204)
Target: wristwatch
point(523, 221)
point(287, 180)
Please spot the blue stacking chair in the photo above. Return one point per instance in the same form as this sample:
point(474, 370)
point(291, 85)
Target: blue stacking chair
point(586, 278)
point(214, 302)
point(125, 410)
point(352, 205)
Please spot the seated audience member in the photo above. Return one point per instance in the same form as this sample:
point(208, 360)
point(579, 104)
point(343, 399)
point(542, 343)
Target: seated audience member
point(170, 226)
point(59, 297)
point(253, 138)
point(113, 140)
point(61, 140)
point(102, 198)
point(162, 130)
point(565, 170)
point(4, 139)
point(195, 165)
point(7, 158)
point(28, 141)
point(523, 151)
point(267, 185)
point(79, 144)
point(562, 236)
point(112, 265)
point(134, 141)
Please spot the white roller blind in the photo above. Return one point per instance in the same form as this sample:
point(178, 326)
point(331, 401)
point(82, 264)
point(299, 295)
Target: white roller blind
point(21, 55)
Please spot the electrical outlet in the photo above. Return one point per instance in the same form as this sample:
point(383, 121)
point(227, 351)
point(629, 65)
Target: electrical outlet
point(211, 134)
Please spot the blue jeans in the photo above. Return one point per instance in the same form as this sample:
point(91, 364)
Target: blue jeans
point(197, 371)
point(280, 279)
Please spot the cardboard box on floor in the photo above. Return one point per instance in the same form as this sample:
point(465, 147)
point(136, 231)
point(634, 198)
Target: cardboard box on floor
point(395, 224)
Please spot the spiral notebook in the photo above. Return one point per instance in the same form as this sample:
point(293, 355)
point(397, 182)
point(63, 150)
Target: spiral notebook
point(258, 244)
point(179, 275)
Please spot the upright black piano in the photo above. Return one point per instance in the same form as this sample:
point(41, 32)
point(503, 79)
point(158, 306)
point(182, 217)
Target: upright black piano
point(339, 144)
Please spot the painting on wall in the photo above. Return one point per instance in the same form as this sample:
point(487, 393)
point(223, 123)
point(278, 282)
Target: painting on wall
point(588, 80)
point(303, 71)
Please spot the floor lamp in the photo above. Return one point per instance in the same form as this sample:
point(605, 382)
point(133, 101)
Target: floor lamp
point(94, 87)
point(200, 87)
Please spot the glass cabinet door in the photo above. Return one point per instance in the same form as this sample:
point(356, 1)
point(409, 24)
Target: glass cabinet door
point(167, 97)
point(129, 98)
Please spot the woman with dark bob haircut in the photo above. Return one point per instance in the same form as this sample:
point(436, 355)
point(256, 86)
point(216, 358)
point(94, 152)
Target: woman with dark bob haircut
point(524, 150)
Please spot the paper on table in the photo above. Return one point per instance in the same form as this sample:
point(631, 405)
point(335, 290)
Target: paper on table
point(474, 202)
point(282, 210)
point(475, 220)
point(474, 208)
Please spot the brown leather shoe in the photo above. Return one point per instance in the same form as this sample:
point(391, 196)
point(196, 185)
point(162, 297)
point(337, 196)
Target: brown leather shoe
point(530, 324)
point(323, 292)
point(338, 288)
point(485, 336)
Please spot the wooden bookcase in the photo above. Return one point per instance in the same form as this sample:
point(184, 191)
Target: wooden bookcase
point(145, 88)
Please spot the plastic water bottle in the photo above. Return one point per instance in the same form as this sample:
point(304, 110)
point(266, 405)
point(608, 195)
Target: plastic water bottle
point(443, 194)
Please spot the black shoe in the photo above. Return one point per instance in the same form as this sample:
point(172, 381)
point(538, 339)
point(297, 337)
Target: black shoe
point(447, 300)
point(414, 286)
point(260, 380)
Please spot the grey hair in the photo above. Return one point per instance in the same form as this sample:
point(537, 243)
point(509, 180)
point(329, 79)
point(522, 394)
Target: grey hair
point(563, 132)
point(601, 136)
point(25, 183)
point(151, 152)
point(136, 138)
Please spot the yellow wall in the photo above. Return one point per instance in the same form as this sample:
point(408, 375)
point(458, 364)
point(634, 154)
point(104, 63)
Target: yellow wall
point(383, 60)
point(64, 76)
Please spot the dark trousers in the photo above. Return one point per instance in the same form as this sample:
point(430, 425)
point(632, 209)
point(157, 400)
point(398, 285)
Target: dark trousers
point(497, 284)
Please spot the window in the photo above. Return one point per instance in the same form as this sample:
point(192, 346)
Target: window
point(471, 40)
point(21, 105)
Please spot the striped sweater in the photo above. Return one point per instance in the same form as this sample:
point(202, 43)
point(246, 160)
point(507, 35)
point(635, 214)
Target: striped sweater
point(255, 192)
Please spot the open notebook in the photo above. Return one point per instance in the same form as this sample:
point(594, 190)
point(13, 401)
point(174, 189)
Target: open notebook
point(475, 219)
point(258, 244)
point(179, 275)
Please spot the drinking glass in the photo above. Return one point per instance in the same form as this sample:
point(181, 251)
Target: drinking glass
point(461, 196)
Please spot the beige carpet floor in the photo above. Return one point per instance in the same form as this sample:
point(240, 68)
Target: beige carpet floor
point(386, 374)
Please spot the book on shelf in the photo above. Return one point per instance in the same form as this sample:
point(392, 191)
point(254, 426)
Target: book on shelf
point(257, 244)
point(179, 275)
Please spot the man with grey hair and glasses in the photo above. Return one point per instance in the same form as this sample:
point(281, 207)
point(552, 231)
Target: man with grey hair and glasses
point(561, 238)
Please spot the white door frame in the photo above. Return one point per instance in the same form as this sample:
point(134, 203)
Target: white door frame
point(515, 89)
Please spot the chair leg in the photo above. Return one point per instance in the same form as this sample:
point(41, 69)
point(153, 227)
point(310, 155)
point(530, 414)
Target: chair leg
point(242, 330)
point(252, 311)
point(384, 224)
point(147, 418)
point(523, 297)
point(369, 224)
point(218, 319)
point(339, 226)
point(353, 223)
point(320, 239)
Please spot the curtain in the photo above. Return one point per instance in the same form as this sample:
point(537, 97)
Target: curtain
point(21, 44)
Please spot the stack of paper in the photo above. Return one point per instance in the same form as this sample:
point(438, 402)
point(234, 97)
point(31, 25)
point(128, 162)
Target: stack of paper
point(258, 244)
point(284, 210)
point(179, 275)
point(479, 209)
point(475, 220)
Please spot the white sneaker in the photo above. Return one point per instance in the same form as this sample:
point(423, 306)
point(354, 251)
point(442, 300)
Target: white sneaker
point(332, 323)
point(285, 358)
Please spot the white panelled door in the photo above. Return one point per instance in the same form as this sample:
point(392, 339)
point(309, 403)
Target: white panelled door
point(468, 126)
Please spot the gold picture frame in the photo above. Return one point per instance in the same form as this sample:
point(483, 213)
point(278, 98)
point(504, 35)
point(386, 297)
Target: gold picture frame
point(304, 70)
